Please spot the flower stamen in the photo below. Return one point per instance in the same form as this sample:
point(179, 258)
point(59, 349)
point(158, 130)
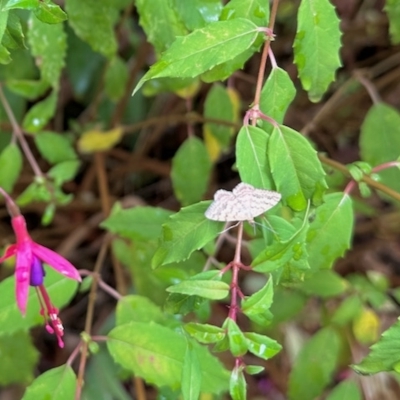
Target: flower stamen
point(52, 321)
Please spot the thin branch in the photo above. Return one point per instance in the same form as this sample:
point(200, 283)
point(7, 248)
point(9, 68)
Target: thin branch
point(17, 131)
point(264, 56)
point(236, 265)
point(175, 120)
point(368, 180)
point(90, 314)
point(370, 88)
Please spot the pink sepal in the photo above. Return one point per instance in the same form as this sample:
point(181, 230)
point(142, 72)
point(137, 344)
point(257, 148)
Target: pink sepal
point(55, 261)
point(10, 251)
point(22, 274)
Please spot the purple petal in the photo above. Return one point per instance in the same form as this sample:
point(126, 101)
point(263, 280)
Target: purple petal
point(22, 274)
point(55, 261)
point(37, 272)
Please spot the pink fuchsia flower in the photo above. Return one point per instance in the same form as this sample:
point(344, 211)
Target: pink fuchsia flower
point(29, 270)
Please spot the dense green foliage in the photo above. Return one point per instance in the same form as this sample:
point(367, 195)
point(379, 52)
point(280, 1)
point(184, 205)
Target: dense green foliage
point(75, 89)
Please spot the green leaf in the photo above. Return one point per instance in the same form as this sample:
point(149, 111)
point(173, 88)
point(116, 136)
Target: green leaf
point(152, 284)
point(184, 88)
point(49, 44)
point(3, 23)
point(14, 36)
point(203, 49)
point(346, 390)
point(5, 57)
point(60, 290)
point(331, 231)
point(27, 88)
point(36, 191)
point(325, 284)
point(40, 114)
point(276, 95)
point(251, 157)
point(253, 369)
point(116, 78)
point(93, 22)
point(55, 384)
point(348, 310)
point(287, 304)
point(257, 306)
point(315, 365)
point(382, 357)
point(222, 345)
point(10, 166)
point(54, 148)
point(83, 67)
point(4, 53)
point(24, 4)
point(289, 245)
point(160, 22)
point(218, 105)
point(237, 341)
point(19, 358)
point(392, 8)
point(237, 384)
point(137, 223)
point(184, 232)
point(110, 385)
point(379, 141)
point(213, 290)
point(191, 374)
point(294, 271)
point(205, 333)
point(257, 11)
point(223, 71)
point(139, 309)
point(17, 103)
point(297, 172)
point(156, 354)
point(64, 171)
point(356, 173)
point(183, 304)
point(262, 346)
point(50, 13)
point(316, 46)
point(197, 13)
point(137, 258)
point(369, 292)
point(48, 214)
point(190, 173)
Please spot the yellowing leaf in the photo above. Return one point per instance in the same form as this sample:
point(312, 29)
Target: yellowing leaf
point(94, 140)
point(221, 103)
point(213, 146)
point(189, 91)
point(235, 100)
point(366, 327)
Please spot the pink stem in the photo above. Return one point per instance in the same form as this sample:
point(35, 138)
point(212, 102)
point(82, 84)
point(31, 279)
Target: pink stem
point(108, 289)
point(236, 264)
point(11, 206)
point(350, 186)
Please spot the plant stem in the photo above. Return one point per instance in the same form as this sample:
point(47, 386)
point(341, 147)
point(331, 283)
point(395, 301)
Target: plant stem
point(90, 314)
point(107, 288)
point(263, 62)
point(370, 88)
point(17, 131)
point(368, 180)
point(236, 265)
point(12, 208)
